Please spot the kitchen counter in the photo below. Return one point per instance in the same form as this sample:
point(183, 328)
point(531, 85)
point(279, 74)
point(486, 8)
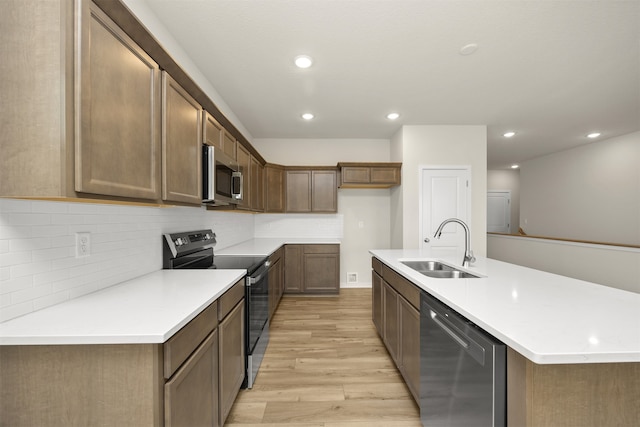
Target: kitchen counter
point(147, 309)
point(266, 246)
point(549, 319)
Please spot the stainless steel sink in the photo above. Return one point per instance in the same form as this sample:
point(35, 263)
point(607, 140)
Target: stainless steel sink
point(438, 270)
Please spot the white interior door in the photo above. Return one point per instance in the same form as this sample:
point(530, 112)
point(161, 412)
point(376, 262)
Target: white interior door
point(445, 193)
point(498, 211)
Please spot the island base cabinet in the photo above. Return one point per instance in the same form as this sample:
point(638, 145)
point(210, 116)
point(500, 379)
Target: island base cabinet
point(396, 316)
point(81, 385)
point(585, 395)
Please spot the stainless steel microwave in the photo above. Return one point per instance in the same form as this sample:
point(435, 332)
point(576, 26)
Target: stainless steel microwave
point(221, 178)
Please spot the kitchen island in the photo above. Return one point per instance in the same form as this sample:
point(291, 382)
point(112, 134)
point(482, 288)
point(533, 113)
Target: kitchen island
point(573, 347)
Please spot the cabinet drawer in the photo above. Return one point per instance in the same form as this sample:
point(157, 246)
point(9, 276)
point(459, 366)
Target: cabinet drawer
point(178, 348)
point(405, 288)
point(376, 264)
point(230, 298)
point(321, 249)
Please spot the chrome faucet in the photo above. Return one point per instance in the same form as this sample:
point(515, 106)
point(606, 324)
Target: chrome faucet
point(468, 253)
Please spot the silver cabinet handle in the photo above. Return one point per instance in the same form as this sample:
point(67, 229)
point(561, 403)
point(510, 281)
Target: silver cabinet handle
point(426, 240)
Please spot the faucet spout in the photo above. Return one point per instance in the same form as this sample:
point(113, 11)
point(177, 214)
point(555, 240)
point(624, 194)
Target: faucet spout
point(468, 253)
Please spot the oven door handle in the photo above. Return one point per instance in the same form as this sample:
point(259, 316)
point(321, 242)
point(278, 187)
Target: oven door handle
point(254, 280)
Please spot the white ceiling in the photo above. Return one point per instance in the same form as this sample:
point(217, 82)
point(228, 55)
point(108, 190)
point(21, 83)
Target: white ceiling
point(550, 70)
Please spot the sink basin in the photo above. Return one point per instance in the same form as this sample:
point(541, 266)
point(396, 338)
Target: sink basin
point(438, 270)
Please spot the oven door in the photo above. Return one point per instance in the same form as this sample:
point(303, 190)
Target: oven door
point(257, 305)
point(257, 338)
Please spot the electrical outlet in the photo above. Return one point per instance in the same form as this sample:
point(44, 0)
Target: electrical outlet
point(83, 244)
point(352, 277)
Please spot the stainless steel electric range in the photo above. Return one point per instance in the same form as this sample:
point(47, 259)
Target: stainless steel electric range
point(194, 250)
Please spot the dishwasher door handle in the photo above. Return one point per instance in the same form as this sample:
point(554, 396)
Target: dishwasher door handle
point(474, 349)
point(448, 330)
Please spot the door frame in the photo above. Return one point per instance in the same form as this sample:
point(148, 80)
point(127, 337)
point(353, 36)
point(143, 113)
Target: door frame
point(423, 168)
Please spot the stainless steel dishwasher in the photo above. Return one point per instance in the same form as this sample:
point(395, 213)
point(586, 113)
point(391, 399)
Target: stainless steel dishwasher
point(462, 370)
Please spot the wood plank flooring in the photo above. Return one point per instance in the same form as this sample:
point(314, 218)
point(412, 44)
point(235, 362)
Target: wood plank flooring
point(325, 366)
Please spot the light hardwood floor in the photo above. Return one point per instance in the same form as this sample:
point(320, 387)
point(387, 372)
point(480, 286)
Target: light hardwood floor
point(325, 366)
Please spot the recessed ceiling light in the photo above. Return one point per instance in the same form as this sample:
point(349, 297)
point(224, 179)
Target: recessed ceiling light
point(303, 61)
point(468, 49)
point(594, 135)
point(515, 166)
point(308, 116)
point(508, 134)
point(393, 116)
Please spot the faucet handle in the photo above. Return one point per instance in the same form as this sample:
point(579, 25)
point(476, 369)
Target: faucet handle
point(471, 258)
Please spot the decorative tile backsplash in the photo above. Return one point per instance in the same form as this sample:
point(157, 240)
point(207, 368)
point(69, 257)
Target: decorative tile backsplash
point(299, 225)
point(38, 263)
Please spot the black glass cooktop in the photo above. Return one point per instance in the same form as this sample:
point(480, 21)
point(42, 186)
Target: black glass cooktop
point(227, 262)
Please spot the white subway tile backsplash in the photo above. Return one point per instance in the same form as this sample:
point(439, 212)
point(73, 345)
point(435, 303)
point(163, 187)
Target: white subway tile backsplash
point(300, 225)
point(14, 258)
point(29, 269)
point(38, 267)
point(14, 285)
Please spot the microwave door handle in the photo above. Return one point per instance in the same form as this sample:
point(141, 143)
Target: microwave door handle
point(211, 185)
point(240, 177)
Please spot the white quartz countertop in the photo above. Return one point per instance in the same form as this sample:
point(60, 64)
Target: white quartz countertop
point(148, 309)
point(266, 246)
point(549, 319)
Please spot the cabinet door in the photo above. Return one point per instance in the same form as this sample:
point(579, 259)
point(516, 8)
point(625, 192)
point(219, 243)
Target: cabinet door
point(321, 269)
point(385, 175)
point(244, 160)
point(191, 395)
point(409, 345)
point(229, 145)
point(298, 191)
point(376, 302)
point(257, 185)
point(212, 131)
point(355, 175)
point(293, 273)
point(275, 281)
point(118, 143)
point(324, 191)
point(274, 188)
point(390, 320)
point(231, 359)
point(181, 142)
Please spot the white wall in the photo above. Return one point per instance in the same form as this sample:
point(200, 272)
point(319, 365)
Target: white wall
point(507, 180)
point(365, 212)
point(588, 193)
point(441, 145)
point(38, 266)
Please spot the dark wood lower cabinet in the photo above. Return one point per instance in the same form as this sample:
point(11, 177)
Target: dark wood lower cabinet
point(312, 269)
point(191, 396)
point(396, 316)
point(276, 280)
point(190, 380)
point(231, 359)
point(376, 301)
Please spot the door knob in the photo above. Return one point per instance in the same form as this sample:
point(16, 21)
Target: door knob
point(426, 240)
